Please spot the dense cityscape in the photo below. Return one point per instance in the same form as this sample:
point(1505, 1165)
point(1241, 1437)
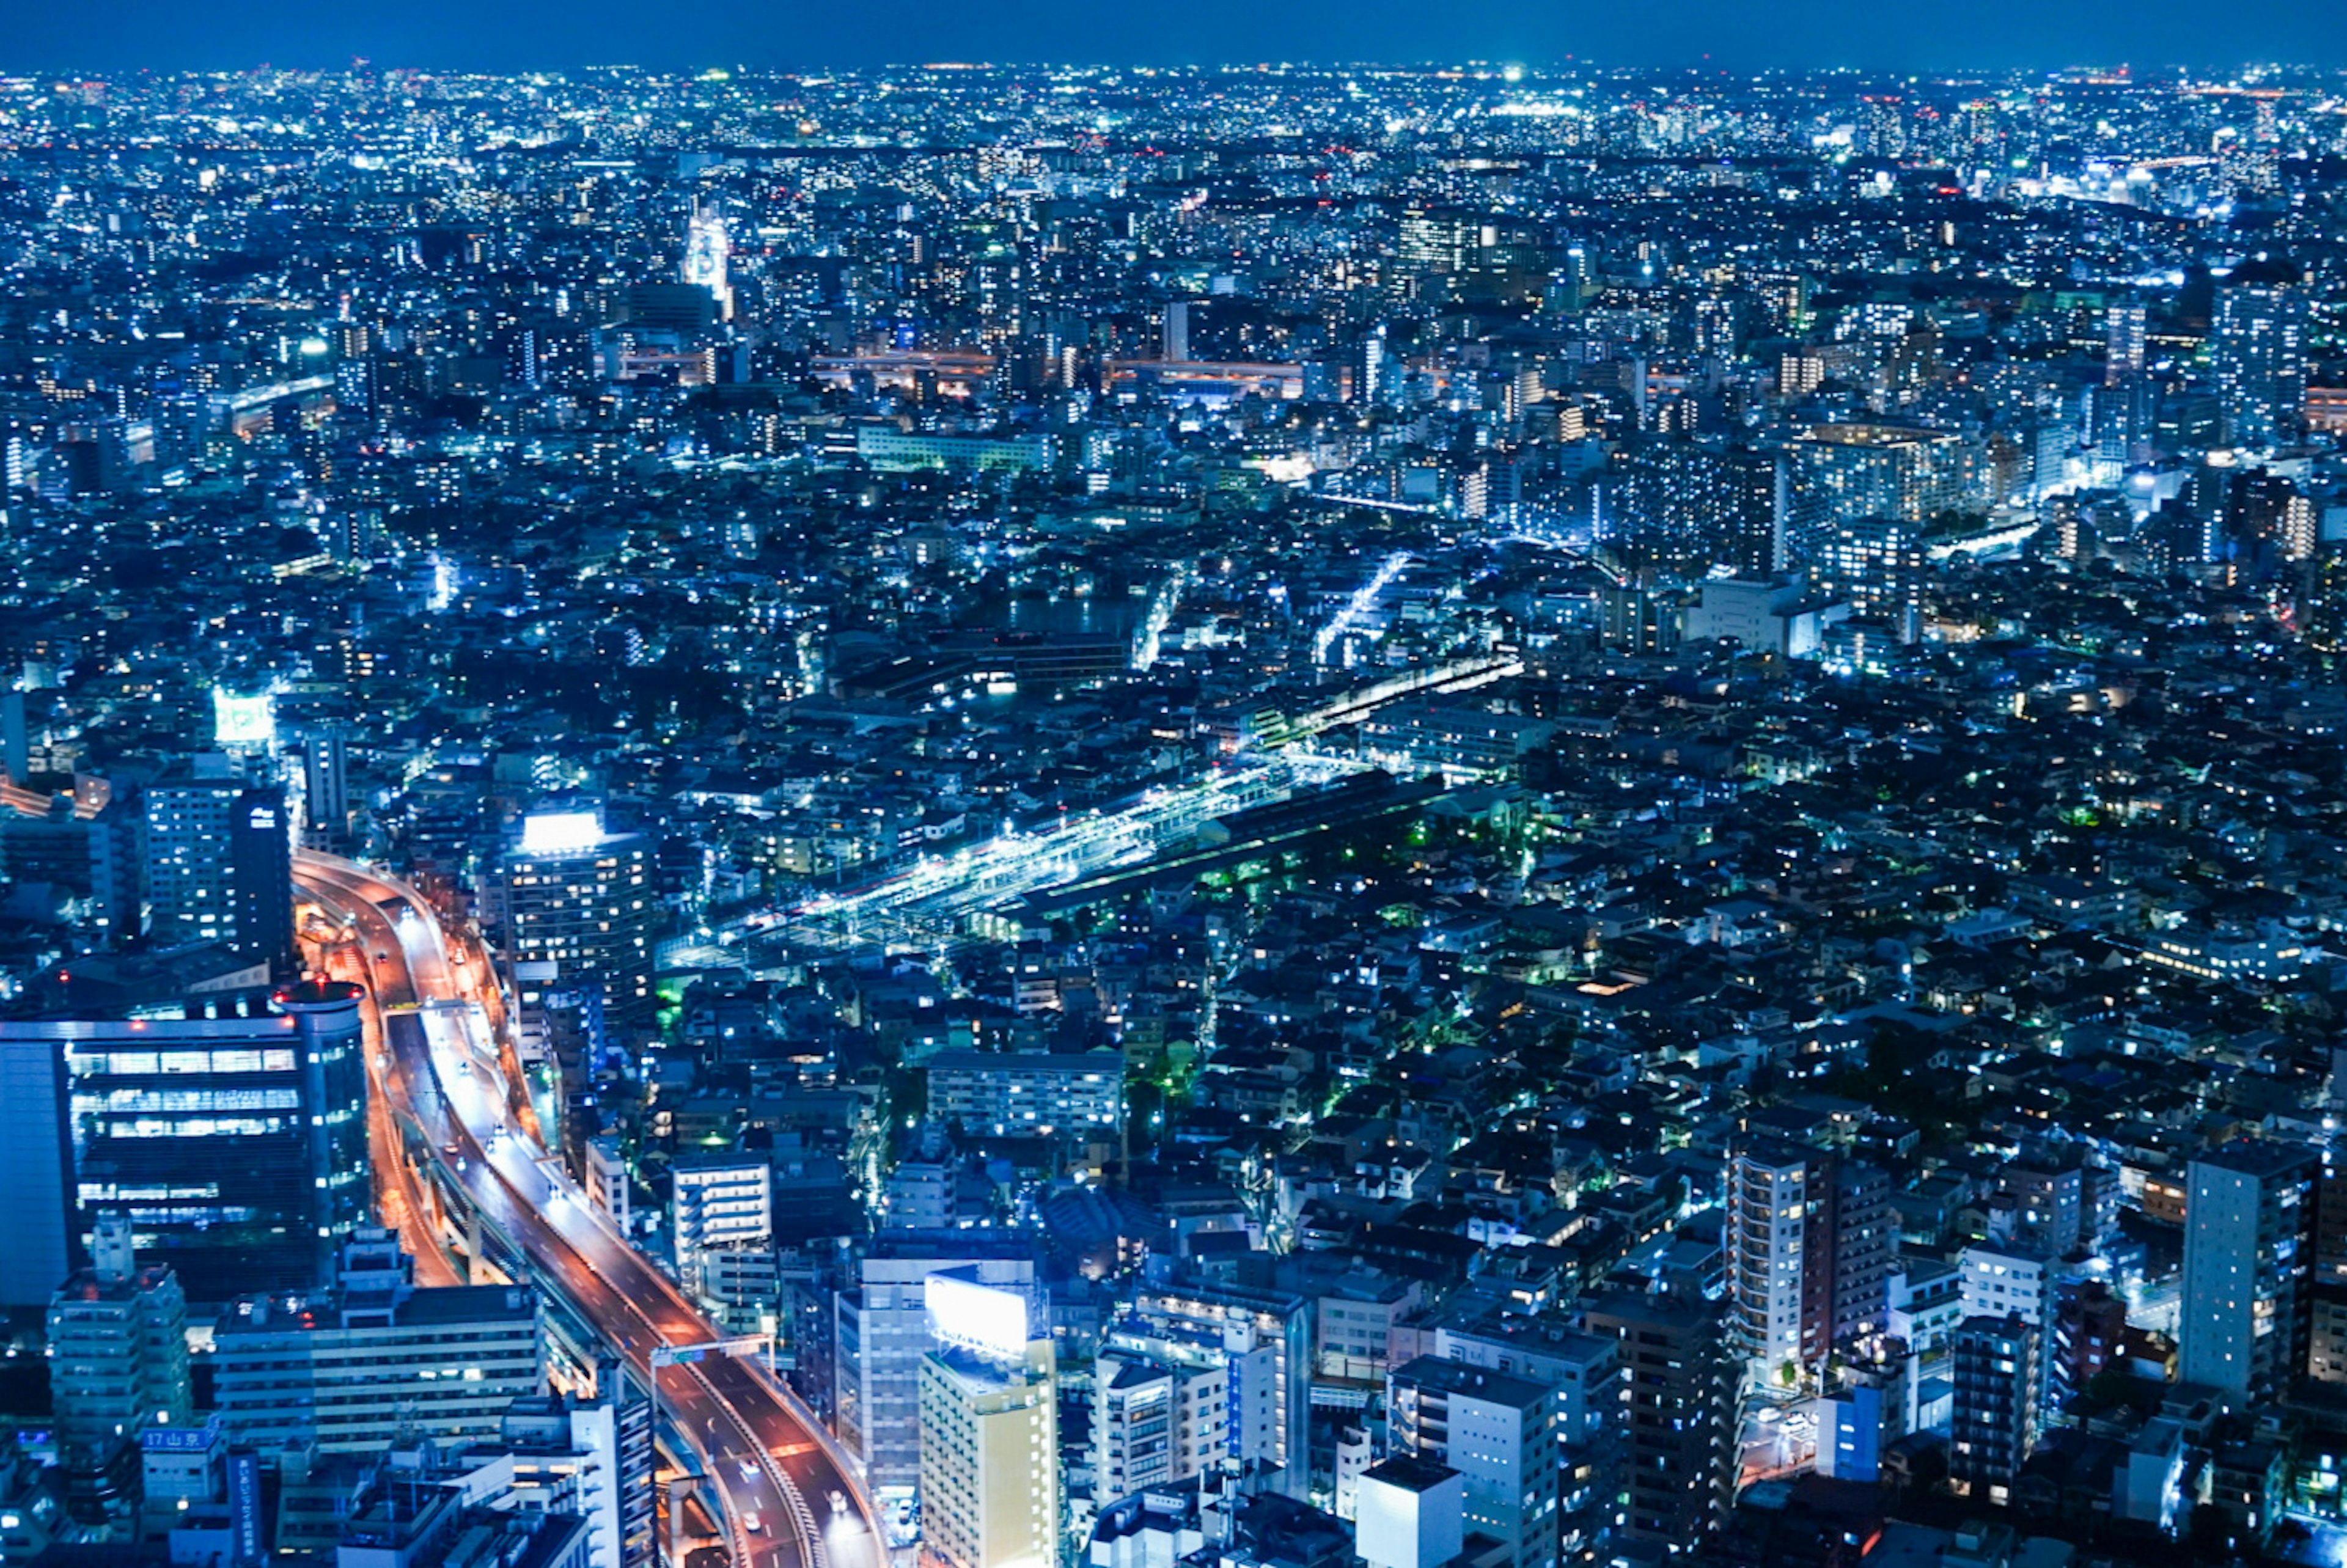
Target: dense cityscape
point(1469, 816)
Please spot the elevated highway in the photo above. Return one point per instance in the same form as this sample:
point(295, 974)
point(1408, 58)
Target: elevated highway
point(785, 1487)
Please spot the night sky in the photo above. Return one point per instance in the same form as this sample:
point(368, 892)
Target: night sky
point(112, 35)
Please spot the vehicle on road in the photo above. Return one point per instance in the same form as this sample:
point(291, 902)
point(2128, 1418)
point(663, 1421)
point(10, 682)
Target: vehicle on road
point(752, 1522)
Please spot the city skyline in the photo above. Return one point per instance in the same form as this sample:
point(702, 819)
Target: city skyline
point(1054, 816)
point(1939, 36)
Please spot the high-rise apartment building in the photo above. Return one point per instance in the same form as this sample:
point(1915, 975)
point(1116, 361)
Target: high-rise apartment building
point(1256, 1346)
point(1842, 473)
point(595, 1452)
point(1682, 1380)
point(1584, 1372)
point(2258, 344)
point(1153, 1425)
point(1997, 1369)
point(326, 790)
point(580, 905)
point(723, 1202)
point(1810, 1253)
point(1877, 565)
point(2249, 1256)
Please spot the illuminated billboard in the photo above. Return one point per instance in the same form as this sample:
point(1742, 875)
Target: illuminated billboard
point(561, 832)
point(973, 1317)
point(242, 721)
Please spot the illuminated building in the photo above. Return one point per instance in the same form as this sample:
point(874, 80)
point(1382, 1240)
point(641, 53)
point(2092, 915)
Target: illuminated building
point(881, 1332)
point(356, 1367)
point(1153, 1425)
point(1026, 1093)
point(326, 777)
point(219, 866)
point(234, 1145)
point(1842, 473)
point(724, 1203)
point(989, 1430)
point(117, 1348)
point(580, 905)
point(1499, 1431)
point(706, 253)
point(892, 451)
point(1809, 1252)
point(2249, 1253)
point(1681, 1410)
point(588, 1456)
point(1246, 1354)
point(1995, 1365)
point(2258, 346)
point(1692, 505)
point(1877, 566)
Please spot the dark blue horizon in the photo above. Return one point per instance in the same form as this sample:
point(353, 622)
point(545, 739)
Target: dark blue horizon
point(115, 37)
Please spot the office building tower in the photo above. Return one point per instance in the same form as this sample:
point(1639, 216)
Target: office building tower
point(261, 881)
point(580, 905)
point(881, 1332)
point(2259, 344)
point(1436, 239)
point(234, 1145)
point(189, 819)
point(36, 1165)
point(1499, 1432)
point(707, 253)
point(1682, 1380)
point(220, 867)
point(724, 1203)
point(313, 1369)
point(2248, 1255)
point(1995, 1365)
point(1255, 1347)
point(1809, 1252)
point(1175, 347)
point(1413, 1513)
point(326, 790)
point(989, 1429)
point(117, 1346)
